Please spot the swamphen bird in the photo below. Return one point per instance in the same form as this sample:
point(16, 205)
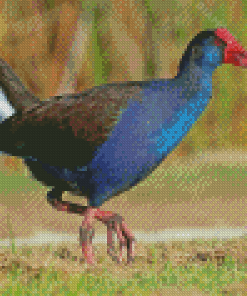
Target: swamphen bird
point(102, 141)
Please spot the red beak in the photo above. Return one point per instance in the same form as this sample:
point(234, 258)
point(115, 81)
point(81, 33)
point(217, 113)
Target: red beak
point(236, 58)
point(234, 53)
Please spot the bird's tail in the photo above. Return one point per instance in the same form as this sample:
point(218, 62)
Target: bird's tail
point(14, 96)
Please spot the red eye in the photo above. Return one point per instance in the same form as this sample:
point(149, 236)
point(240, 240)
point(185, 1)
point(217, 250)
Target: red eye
point(217, 42)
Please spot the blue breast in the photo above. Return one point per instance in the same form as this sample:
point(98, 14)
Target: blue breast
point(145, 134)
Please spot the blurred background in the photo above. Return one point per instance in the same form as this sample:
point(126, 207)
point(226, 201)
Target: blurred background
point(61, 46)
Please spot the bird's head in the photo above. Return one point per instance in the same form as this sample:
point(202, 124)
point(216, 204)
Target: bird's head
point(209, 49)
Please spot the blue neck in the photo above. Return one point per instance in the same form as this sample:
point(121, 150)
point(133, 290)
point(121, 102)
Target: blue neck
point(192, 92)
point(194, 77)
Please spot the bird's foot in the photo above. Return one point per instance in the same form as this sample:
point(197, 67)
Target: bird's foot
point(115, 223)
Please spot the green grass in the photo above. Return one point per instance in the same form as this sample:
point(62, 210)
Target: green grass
point(209, 277)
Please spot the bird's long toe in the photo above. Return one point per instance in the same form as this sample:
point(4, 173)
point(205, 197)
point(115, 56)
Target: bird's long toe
point(111, 228)
point(115, 223)
point(86, 237)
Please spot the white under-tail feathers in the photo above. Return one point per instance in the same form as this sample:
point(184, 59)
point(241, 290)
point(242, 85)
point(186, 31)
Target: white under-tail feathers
point(6, 108)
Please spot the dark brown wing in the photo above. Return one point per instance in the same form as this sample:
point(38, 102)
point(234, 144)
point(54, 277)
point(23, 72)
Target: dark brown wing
point(66, 130)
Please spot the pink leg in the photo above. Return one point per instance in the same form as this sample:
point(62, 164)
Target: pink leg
point(86, 231)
